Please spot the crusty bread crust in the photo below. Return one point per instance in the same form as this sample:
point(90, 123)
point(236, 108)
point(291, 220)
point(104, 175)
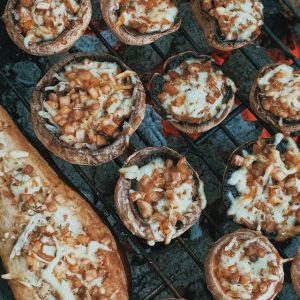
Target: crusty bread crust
point(62, 43)
point(95, 228)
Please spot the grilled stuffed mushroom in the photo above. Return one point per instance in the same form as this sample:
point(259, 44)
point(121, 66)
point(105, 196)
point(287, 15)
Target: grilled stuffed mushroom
point(192, 93)
point(138, 22)
point(42, 27)
point(244, 265)
point(229, 24)
point(275, 96)
point(86, 108)
point(262, 186)
point(159, 196)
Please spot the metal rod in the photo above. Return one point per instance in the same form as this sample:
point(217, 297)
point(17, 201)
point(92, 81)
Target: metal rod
point(280, 44)
point(292, 8)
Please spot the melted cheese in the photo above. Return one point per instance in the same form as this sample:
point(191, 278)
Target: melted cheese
point(197, 88)
point(176, 206)
point(257, 271)
point(50, 238)
point(66, 216)
point(23, 239)
point(255, 204)
point(281, 85)
point(238, 20)
point(113, 106)
point(145, 18)
point(44, 20)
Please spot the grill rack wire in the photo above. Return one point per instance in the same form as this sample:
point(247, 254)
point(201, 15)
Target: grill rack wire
point(108, 209)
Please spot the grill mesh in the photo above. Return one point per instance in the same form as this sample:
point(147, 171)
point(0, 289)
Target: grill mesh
point(106, 209)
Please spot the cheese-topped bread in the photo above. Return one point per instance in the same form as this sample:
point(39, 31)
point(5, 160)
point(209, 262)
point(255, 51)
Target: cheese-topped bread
point(53, 245)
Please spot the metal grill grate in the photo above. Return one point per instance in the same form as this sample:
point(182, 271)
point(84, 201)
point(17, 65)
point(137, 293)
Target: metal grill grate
point(107, 210)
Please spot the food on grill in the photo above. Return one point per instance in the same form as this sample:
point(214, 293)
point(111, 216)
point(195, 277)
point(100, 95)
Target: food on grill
point(86, 108)
point(295, 272)
point(139, 22)
point(262, 186)
point(244, 265)
point(193, 93)
point(53, 245)
point(159, 196)
point(275, 96)
point(229, 24)
point(43, 27)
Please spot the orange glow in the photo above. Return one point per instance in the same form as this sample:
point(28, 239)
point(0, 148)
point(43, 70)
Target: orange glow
point(169, 129)
point(265, 133)
point(220, 57)
point(292, 43)
point(248, 116)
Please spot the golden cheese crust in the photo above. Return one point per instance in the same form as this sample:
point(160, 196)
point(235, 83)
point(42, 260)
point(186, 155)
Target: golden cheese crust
point(115, 281)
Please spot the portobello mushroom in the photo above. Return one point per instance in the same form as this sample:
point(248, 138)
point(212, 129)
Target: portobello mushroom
point(244, 265)
point(274, 97)
point(158, 195)
point(222, 28)
point(261, 186)
point(86, 107)
point(192, 93)
point(34, 32)
point(132, 27)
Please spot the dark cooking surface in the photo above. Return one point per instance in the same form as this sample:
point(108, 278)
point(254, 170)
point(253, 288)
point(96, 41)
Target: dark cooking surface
point(180, 262)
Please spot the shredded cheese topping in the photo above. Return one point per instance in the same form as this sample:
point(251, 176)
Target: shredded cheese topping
point(44, 20)
point(147, 16)
point(268, 188)
point(248, 269)
point(90, 103)
point(279, 89)
point(195, 91)
point(61, 258)
point(164, 194)
point(237, 20)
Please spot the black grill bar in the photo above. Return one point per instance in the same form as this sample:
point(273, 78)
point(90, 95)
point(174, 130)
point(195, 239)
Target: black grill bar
point(108, 209)
point(292, 8)
point(280, 44)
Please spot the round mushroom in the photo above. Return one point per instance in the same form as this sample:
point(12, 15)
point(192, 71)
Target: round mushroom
point(223, 27)
point(244, 265)
point(46, 28)
point(137, 22)
point(192, 93)
point(261, 186)
point(275, 95)
point(86, 107)
point(158, 195)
